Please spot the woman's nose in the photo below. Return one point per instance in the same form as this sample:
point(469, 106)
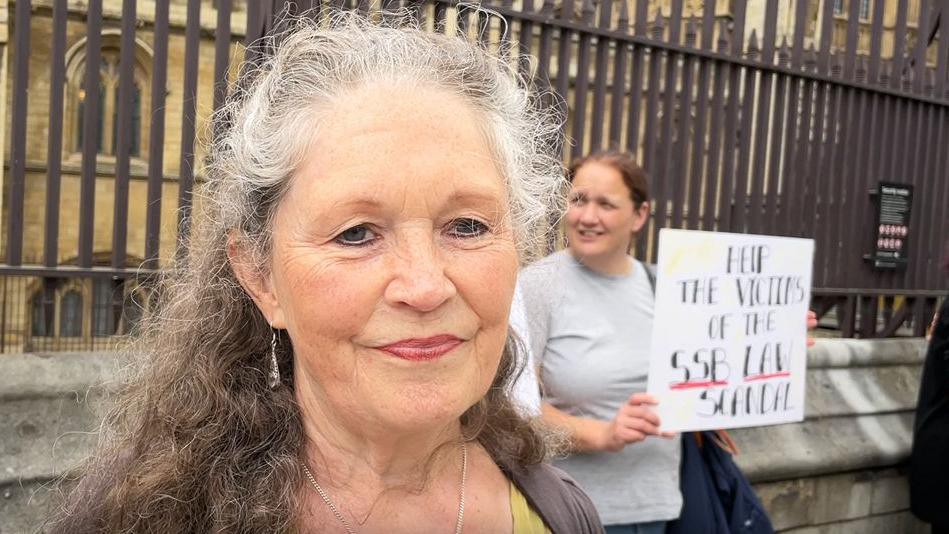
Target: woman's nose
point(419, 280)
point(588, 214)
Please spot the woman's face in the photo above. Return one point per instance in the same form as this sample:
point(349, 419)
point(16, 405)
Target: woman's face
point(601, 217)
point(393, 261)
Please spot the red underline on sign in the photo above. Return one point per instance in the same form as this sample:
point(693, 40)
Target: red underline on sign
point(690, 385)
point(765, 377)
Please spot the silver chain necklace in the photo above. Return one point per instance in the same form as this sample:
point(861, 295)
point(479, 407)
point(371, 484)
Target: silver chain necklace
point(349, 530)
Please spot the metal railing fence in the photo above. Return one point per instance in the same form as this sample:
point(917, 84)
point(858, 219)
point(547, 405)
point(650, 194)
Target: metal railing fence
point(743, 124)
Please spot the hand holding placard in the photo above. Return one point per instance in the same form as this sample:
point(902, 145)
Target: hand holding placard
point(729, 337)
point(634, 421)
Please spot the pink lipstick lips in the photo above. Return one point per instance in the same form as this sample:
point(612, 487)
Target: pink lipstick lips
point(430, 348)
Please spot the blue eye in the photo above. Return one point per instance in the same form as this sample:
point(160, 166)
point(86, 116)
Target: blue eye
point(467, 228)
point(356, 236)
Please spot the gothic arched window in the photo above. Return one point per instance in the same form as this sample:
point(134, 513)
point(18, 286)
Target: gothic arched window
point(103, 321)
point(41, 323)
point(70, 318)
point(108, 109)
point(81, 113)
point(107, 116)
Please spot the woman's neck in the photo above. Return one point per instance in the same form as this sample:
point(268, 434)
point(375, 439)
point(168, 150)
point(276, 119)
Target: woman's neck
point(355, 452)
point(609, 265)
point(391, 480)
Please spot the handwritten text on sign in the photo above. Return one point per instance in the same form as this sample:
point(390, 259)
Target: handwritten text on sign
point(729, 337)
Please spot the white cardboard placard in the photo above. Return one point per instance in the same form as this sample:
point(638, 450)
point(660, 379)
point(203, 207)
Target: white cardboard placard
point(729, 341)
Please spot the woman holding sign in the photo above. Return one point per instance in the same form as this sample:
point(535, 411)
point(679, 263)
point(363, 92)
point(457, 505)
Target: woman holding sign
point(589, 312)
point(589, 321)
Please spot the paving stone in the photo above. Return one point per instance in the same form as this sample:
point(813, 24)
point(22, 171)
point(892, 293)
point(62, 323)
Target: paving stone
point(890, 492)
point(24, 507)
point(842, 497)
point(790, 503)
point(897, 523)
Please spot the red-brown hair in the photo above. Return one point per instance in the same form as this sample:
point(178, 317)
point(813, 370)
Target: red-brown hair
point(633, 175)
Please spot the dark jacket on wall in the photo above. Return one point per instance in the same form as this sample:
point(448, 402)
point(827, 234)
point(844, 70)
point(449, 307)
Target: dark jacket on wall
point(716, 496)
point(929, 464)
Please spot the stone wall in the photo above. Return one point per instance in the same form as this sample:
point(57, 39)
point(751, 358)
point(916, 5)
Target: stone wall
point(842, 470)
point(49, 407)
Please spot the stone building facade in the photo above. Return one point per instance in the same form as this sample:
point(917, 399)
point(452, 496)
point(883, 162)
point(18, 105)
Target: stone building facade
point(83, 308)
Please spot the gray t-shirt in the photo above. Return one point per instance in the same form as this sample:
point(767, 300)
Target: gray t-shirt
point(591, 335)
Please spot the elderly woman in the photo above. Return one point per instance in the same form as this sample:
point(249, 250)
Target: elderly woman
point(334, 354)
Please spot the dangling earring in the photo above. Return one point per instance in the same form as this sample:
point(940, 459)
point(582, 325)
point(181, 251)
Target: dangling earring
point(274, 379)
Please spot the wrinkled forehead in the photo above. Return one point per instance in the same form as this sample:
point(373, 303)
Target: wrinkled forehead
point(375, 110)
point(426, 135)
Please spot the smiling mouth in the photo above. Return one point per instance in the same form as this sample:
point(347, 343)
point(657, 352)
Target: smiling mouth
point(427, 349)
point(589, 233)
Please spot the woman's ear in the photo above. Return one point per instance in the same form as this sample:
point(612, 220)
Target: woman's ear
point(257, 284)
point(641, 216)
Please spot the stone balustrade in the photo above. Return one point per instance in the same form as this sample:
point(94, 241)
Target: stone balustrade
point(841, 470)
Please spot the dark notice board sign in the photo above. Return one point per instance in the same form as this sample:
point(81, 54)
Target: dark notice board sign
point(894, 205)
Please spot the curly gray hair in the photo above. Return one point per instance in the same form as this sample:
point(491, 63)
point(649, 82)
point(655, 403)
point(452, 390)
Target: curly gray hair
point(251, 161)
